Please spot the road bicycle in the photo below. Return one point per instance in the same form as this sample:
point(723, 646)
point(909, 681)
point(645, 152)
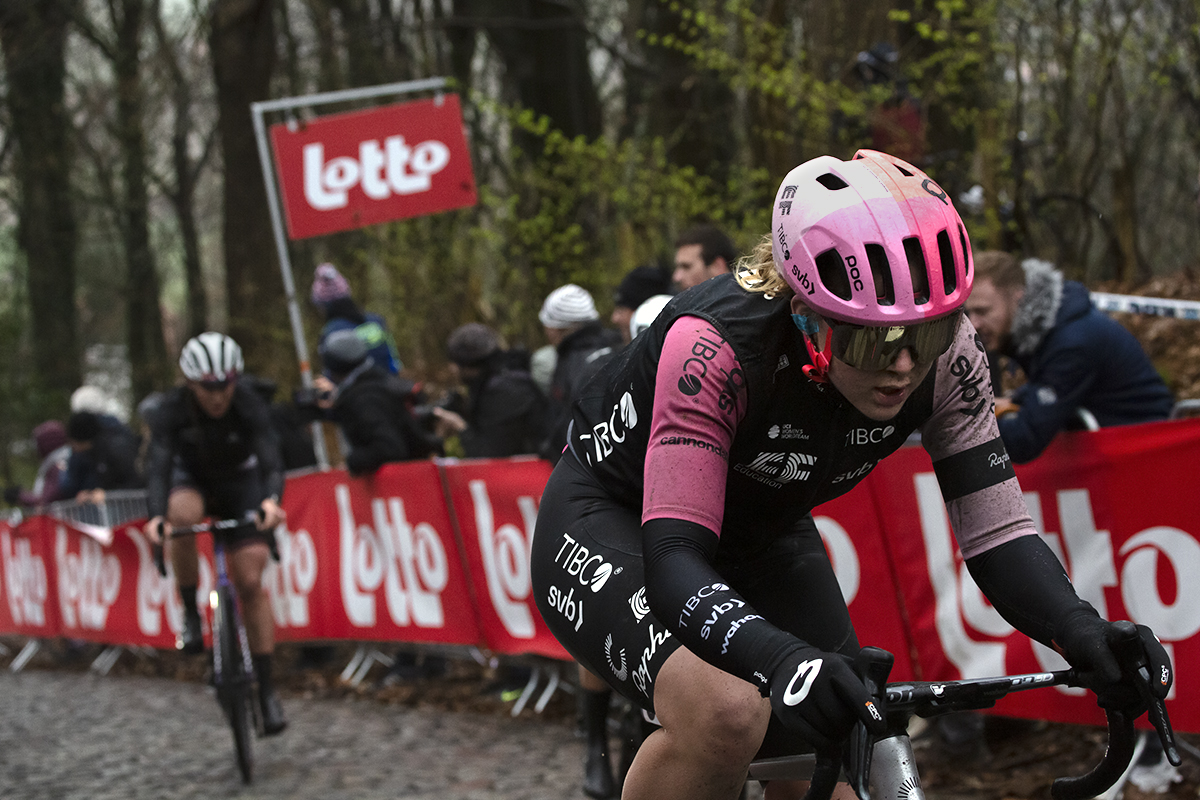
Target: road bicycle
point(883, 767)
point(232, 668)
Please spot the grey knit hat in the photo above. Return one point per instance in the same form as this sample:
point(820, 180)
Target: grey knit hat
point(568, 305)
point(471, 344)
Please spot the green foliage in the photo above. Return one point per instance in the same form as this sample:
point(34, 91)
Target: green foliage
point(577, 211)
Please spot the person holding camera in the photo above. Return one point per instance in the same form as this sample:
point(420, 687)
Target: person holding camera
point(369, 405)
point(503, 412)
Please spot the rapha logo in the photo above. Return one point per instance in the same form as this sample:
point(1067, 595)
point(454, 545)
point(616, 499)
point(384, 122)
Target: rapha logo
point(776, 469)
point(621, 672)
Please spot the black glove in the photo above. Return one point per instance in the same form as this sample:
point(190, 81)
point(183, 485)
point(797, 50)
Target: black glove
point(818, 695)
point(12, 495)
point(1086, 640)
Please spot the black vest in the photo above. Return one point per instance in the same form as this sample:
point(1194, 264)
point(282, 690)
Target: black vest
point(799, 444)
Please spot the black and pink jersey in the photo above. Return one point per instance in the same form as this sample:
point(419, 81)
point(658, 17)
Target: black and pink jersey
point(708, 417)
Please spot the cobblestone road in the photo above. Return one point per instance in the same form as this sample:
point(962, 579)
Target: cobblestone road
point(66, 735)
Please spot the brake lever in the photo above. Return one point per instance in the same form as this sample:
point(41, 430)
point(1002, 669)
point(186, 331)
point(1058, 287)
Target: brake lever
point(1127, 646)
point(159, 554)
point(873, 665)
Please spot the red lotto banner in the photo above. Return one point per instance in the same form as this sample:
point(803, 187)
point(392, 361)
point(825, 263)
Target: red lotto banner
point(350, 170)
point(439, 552)
point(496, 510)
point(1117, 506)
point(372, 559)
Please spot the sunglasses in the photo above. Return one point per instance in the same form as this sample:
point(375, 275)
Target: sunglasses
point(214, 386)
point(871, 348)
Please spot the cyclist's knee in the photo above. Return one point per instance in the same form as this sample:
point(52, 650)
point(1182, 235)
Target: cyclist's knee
point(185, 507)
point(710, 710)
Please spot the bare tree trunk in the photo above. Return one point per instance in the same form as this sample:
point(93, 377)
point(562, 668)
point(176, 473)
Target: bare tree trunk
point(33, 34)
point(186, 176)
point(143, 321)
point(544, 47)
point(243, 54)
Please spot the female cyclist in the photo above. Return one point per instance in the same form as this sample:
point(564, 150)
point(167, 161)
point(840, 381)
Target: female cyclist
point(675, 553)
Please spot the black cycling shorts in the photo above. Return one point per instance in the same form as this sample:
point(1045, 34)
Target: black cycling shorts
point(588, 581)
point(228, 499)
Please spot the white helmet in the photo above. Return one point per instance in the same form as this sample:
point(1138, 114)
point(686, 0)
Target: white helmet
point(211, 356)
point(646, 313)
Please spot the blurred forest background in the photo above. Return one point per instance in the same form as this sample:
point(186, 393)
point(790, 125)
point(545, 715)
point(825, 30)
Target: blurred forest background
point(133, 212)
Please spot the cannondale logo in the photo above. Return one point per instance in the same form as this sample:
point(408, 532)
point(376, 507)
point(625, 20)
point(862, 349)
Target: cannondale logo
point(638, 604)
point(621, 672)
point(806, 671)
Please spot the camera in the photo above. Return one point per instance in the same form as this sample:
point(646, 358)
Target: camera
point(307, 397)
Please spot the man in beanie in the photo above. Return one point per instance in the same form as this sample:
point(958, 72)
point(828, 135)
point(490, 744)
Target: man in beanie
point(331, 296)
point(638, 286)
point(572, 324)
point(104, 455)
point(504, 411)
point(368, 404)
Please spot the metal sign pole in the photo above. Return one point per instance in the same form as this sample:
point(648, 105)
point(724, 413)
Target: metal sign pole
point(257, 110)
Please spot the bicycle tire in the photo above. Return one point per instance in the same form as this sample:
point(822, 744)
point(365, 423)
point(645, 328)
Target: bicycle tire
point(234, 692)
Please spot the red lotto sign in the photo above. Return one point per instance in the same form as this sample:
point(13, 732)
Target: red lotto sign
point(350, 170)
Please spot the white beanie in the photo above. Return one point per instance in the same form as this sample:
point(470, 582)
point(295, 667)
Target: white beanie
point(566, 306)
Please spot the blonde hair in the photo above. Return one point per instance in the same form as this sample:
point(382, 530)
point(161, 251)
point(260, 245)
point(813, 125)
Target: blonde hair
point(757, 272)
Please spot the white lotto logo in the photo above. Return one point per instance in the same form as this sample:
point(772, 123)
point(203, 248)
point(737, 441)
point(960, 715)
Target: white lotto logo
point(381, 171)
point(291, 581)
point(88, 581)
point(25, 583)
point(1086, 552)
point(408, 561)
point(505, 552)
point(156, 597)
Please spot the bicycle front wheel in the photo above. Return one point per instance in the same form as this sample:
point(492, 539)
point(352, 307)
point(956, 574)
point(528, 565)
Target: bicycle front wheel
point(234, 691)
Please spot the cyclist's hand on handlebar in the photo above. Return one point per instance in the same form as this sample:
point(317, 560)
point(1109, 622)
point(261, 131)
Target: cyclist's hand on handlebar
point(156, 530)
point(818, 695)
point(270, 515)
point(1087, 642)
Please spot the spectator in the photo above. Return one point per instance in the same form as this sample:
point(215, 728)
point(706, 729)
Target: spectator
point(104, 456)
point(50, 438)
point(1080, 365)
point(504, 411)
point(646, 313)
point(1074, 356)
point(572, 325)
point(702, 252)
point(369, 406)
point(541, 366)
point(295, 443)
point(331, 294)
point(93, 398)
point(638, 285)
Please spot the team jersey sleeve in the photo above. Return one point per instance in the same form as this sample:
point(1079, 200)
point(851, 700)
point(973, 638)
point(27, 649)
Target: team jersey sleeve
point(979, 486)
point(692, 426)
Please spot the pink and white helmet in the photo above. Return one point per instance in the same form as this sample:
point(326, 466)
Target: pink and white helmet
point(871, 241)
